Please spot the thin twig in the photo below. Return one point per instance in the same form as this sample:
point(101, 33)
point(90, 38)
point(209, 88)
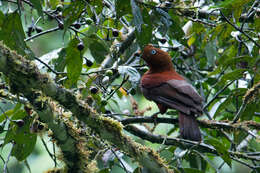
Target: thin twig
point(217, 94)
point(241, 109)
point(50, 154)
point(7, 160)
point(238, 29)
point(125, 79)
point(119, 160)
point(42, 33)
point(4, 162)
point(55, 72)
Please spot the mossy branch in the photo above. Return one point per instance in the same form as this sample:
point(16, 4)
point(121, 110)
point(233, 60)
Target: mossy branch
point(25, 77)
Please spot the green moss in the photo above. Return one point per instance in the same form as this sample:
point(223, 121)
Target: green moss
point(111, 123)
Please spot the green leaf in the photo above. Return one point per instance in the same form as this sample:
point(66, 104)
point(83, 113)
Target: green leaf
point(13, 36)
point(73, 12)
point(60, 62)
point(2, 18)
point(144, 37)
point(22, 151)
point(98, 47)
point(24, 140)
point(211, 53)
point(210, 163)
point(106, 170)
point(74, 62)
point(192, 170)
point(235, 74)
point(37, 4)
point(133, 74)
point(138, 19)
point(10, 113)
point(122, 8)
point(221, 149)
point(175, 30)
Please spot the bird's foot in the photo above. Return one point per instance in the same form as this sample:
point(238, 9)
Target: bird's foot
point(154, 116)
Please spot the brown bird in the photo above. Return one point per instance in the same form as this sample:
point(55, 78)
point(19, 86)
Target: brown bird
point(168, 89)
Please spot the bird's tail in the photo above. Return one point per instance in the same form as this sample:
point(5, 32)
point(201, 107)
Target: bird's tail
point(189, 128)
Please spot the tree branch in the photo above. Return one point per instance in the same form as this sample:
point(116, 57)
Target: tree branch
point(182, 143)
point(25, 77)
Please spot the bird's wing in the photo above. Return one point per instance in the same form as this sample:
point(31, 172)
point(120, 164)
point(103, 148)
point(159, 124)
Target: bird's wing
point(176, 94)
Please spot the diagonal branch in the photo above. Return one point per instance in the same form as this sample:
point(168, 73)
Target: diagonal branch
point(25, 77)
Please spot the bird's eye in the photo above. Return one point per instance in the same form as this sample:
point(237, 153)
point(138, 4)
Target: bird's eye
point(153, 52)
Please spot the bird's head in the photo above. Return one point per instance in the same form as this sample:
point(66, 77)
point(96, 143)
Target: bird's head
point(157, 59)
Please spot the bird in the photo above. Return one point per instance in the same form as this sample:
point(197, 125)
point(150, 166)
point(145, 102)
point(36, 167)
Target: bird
point(169, 90)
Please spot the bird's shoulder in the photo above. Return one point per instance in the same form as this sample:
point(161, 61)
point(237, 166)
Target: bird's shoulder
point(150, 79)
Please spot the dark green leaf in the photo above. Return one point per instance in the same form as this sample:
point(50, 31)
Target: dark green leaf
point(22, 150)
point(122, 8)
point(192, 170)
point(235, 74)
point(106, 170)
point(144, 37)
point(98, 48)
point(74, 62)
point(13, 35)
point(60, 62)
point(73, 12)
point(176, 31)
point(2, 18)
point(38, 6)
point(24, 140)
point(221, 149)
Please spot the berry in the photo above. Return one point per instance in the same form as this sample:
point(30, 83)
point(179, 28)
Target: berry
point(77, 25)
point(103, 102)
point(93, 90)
point(38, 29)
point(19, 123)
point(40, 126)
point(115, 33)
point(132, 91)
point(61, 25)
point(109, 72)
point(107, 112)
point(163, 40)
point(89, 21)
point(59, 7)
point(30, 30)
point(88, 62)
point(137, 54)
point(80, 46)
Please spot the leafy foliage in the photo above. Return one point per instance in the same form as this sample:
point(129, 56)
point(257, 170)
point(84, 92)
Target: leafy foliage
point(97, 45)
